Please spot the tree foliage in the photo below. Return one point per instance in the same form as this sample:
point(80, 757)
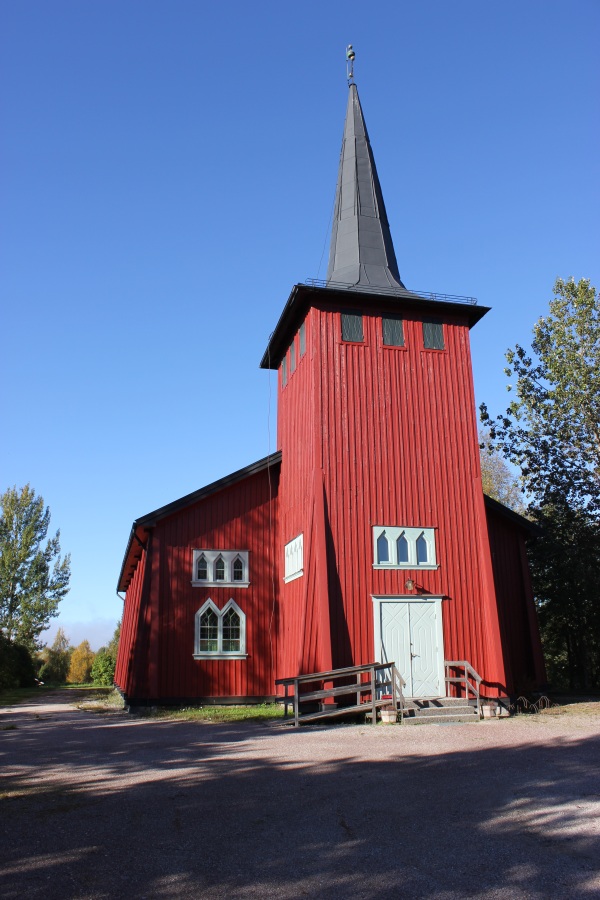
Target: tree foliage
point(103, 670)
point(16, 665)
point(56, 660)
point(551, 432)
point(498, 480)
point(565, 567)
point(33, 577)
point(551, 429)
point(112, 647)
point(80, 668)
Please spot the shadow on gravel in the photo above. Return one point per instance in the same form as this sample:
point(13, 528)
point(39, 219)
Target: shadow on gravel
point(209, 814)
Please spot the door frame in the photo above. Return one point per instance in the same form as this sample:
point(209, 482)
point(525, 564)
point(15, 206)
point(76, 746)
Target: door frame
point(411, 598)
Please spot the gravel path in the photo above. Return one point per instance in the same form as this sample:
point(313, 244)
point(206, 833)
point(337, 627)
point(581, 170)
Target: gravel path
point(103, 805)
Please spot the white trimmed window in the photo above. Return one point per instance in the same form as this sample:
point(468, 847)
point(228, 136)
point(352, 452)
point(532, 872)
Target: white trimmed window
point(220, 633)
point(220, 568)
point(294, 559)
point(400, 547)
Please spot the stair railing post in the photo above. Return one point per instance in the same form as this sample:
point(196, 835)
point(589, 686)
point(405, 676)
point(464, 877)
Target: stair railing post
point(373, 695)
point(296, 710)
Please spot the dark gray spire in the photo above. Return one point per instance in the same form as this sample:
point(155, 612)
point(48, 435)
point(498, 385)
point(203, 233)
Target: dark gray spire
point(361, 251)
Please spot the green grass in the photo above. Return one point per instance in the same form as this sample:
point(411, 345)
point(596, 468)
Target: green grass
point(260, 712)
point(13, 696)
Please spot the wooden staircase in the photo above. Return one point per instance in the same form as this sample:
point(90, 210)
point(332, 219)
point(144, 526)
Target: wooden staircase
point(376, 690)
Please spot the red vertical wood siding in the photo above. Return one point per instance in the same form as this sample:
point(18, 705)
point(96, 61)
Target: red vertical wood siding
point(240, 517)
point(394, 434)
point(130, 645)
point(516, 609)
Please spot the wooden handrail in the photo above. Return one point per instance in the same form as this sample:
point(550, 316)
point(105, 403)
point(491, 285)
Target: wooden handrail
point(464, 679)
point(368, 681)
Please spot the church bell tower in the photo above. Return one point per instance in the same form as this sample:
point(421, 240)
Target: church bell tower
point(382, 530)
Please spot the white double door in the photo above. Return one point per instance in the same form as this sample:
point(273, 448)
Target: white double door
point(410, 634)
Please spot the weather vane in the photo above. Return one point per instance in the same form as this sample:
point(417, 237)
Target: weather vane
point(350, 63)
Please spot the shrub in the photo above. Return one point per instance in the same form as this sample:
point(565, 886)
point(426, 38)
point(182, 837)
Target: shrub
point(16, 665)
point(103, 669)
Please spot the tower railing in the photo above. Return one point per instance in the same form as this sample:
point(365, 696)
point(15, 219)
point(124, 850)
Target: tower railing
point(392, 291)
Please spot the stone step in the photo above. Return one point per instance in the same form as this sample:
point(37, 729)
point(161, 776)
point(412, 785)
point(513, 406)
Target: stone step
point(436, 703)
point(451, 719)
point(440, 712)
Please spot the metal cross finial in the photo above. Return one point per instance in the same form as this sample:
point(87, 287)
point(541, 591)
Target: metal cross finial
point(350, 63)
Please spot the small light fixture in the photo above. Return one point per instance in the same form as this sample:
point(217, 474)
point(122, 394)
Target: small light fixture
point(409, 584)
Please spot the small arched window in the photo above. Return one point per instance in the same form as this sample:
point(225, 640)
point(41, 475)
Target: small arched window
point(383, 548)
point(202, 568)
point(422, 550)
point(220, 569)
point(402, 545)
point(238, 569)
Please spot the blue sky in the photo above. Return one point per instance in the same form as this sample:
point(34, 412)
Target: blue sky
point(168, 171)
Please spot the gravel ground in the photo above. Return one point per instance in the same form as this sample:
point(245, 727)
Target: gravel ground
point(103, 804)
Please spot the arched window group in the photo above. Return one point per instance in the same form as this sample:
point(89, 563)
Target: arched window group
point(220, 568)
point(398, 547)
point(220, 632)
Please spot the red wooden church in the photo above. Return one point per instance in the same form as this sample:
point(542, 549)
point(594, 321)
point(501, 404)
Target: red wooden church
point(367, 536)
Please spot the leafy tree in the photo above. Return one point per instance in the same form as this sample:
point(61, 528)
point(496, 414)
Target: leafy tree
point(565, 568)
point(551, 430)
point(80, 668)
point(498, 480)
point(33, 577)
point(56, 659)
point(113, 645)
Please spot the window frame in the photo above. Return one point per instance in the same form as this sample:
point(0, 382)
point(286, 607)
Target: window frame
point(219, 653)
point(394, 318)
point(356, 315)
point(302, 340)
point(433, 320)
point(293, 558)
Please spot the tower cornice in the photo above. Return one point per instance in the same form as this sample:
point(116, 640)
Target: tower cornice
point(303, 296)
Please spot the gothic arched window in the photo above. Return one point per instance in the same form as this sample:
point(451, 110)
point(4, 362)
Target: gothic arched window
point(383, 548)
point(232, 631)
point(209, 631)
point(238, 569)
point(202, 569)
point(220, 632)
point(402, 545)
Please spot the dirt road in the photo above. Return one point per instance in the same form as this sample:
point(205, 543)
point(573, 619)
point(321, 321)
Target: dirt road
point(109, 805)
